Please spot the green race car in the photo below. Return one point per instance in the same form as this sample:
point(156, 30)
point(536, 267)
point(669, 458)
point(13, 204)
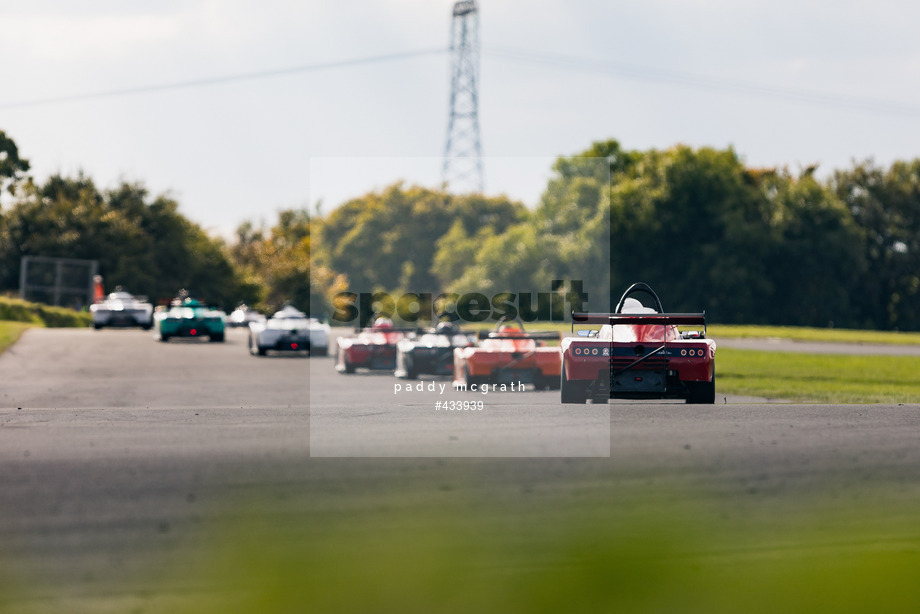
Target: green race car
point(188, 317)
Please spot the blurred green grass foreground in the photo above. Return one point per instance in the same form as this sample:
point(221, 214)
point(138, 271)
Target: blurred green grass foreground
point(593, 558)
point(552, 549)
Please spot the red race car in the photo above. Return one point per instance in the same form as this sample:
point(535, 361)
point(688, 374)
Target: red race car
point(373, 347)
point(509, 356)
point(638, 353)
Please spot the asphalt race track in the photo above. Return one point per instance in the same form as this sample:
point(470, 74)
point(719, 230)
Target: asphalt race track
point(121, 455)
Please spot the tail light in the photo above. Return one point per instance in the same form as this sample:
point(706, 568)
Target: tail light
point(590, 350)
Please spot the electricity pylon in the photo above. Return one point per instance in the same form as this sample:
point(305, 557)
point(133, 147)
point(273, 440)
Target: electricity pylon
point(462, 170)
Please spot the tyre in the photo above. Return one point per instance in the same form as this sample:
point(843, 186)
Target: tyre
point(347, 367)
point(319, 350)
point(164, 338)
point(702, 392)
point(547, 382)
point(216, 337)
point(254, 348)
point(404, 366)
point(474, 380)
point(575, 391)
point(97, 326)
point(600, 398)
point(411, 371)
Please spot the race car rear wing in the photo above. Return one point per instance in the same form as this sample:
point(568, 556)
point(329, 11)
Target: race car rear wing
point(545, 335)
point(652, 319)
point(389, 329)
point(167, 303)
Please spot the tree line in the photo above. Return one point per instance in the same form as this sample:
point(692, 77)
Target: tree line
point(748, 245)
point(143, 242)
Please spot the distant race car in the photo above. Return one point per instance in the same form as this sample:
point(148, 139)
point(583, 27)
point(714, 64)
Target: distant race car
point(373, 347)
point(121, 308)
point(289, 330)
point(431, 352)
point(243, 315)
point(188, 317)
point(638, 353)
point(509, 355)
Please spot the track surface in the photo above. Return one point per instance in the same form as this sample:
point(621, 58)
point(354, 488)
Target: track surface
point(118, 453)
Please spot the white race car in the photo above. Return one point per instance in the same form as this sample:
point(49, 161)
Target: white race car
point(289, 330)
point(121, 308)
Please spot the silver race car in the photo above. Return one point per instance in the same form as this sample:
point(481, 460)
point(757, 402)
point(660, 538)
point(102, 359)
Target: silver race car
point(121, 308)
point(289, 330)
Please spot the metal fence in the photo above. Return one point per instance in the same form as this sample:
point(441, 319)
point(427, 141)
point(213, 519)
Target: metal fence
point(64, 282)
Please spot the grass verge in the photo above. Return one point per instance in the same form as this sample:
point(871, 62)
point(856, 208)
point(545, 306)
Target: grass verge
point(17, 310)
point(10, 333)
point(734, 331)
point(818, 378)
point(798, 333)
point(17, 315)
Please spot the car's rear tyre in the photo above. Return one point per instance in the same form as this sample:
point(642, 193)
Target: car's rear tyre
point(702, 392)
point(574, 391)
point(164, 338)
point(600, 398)
point(347, 367)
point(411, 371)
point(548, 382)
point(216, 337)
point(474, 380)
point(97, 326)
point(254, 347)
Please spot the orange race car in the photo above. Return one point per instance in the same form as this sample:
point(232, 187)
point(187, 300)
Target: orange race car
point(509, 356)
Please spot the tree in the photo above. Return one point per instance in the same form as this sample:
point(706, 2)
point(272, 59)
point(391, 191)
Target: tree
point(389, 240)
point(573, 219)
point(276, 263)
point(885, 204)
point(12, 168)
point(144, 244)
point(746, 245)
point(816, 257)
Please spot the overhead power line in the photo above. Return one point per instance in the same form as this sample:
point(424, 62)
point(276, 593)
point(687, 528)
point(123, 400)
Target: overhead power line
point(684, 79)
point(206, 81)
point(562, 62)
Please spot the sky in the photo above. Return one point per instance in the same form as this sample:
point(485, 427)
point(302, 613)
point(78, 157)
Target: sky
point(239, 109)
